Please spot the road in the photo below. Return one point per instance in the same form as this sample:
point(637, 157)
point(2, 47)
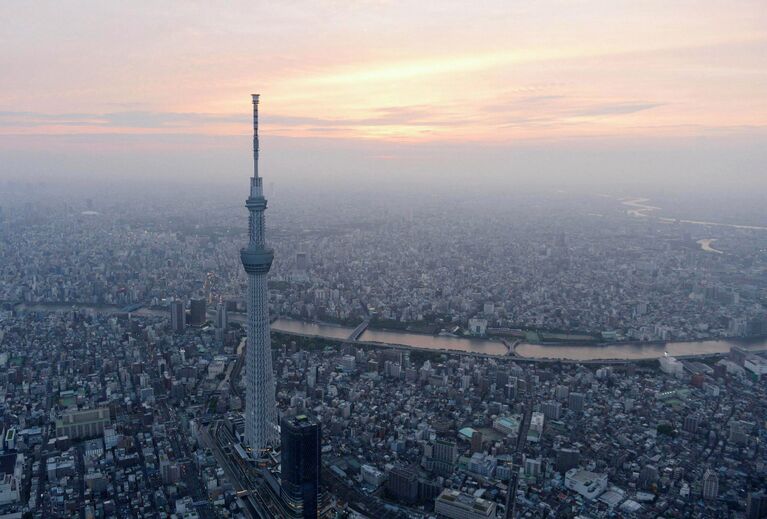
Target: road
point(239, 476)
point(511, 496)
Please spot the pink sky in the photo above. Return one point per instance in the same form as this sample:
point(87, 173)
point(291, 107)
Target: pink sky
point(81, 78)
point(487, 71)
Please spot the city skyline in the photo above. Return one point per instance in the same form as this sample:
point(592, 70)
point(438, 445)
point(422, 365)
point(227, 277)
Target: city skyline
point(515, 264)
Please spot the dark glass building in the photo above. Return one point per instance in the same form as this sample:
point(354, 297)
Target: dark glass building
point(197, 312)
point(300, 476)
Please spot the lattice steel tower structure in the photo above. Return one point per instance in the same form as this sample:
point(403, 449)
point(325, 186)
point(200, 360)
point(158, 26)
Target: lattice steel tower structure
point(260, 407)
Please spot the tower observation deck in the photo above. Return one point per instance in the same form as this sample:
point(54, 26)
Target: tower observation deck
point(260, 408)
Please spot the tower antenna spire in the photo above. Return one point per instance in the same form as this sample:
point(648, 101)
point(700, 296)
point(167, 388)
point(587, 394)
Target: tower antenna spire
point(255, 134)
point(260, 406)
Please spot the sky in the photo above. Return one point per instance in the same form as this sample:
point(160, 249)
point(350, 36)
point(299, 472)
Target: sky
point(502, 92)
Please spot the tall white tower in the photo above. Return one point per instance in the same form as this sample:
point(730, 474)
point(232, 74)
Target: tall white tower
point(260, 408)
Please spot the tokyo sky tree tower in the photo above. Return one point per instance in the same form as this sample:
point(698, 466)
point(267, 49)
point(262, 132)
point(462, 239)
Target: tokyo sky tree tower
point(260, 408)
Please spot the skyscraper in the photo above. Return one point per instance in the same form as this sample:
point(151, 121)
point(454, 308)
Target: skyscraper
point(756, 505)
point(300, 460)
point(177, 316)
point(222, 317)
point(710, 485)
point(445, 454)
point(197, 312)
point(260, 410)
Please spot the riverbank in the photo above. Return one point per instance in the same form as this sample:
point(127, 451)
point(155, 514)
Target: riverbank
point(616, 352)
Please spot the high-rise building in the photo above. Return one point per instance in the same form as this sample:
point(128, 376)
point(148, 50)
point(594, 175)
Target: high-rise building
point(476, 442)
point(300, 460)
point(402, 484)
point(648, 476)
point(222, 317)
point(691, 423)
point(197, 312)
point(710, 485)
point(533, 467)
point(260, 407)
point(756, 506)
point(177, 316)
point(551, 410)
point(575, 401)
point(445, 454)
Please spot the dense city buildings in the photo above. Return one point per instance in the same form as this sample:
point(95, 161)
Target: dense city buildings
point(514, 265)
point(136, 358)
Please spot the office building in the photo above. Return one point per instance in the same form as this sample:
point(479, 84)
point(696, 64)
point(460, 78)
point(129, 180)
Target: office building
point(551, 410)
point(452, 504)
point(177, 316)
point(300, 465)
point(372, 476)
point(87, 423)
point(533, 467)
point(476, 442)
point(535, 431)
point(260, 406)
point(445, 454)
point(710, 485)
point(648, 476)
point(197, 312)
point(691, 423)
point(222, 317)
point(11, 472)
point(575, 402)
point(402, 484)
point(482, 464)
point(756, 505)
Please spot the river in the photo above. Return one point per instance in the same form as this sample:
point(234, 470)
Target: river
point(705, 245)
point(414, 340)
point(435, 342)
point(629, 351)
point(640, 208)
point(329, 331)
point(633, 351)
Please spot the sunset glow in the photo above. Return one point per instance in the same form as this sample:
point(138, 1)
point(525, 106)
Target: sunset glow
point(490, 72)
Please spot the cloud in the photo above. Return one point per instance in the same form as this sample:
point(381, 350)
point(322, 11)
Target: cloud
point(386, 116)
point(615, 109)
point(127, 119)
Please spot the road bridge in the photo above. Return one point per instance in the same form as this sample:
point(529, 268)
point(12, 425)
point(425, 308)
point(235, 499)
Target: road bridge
point(360, 329)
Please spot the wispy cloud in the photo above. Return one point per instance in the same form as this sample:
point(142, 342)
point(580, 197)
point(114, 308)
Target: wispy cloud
point(615, 109)
point(385, 116)
point(128, 119)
